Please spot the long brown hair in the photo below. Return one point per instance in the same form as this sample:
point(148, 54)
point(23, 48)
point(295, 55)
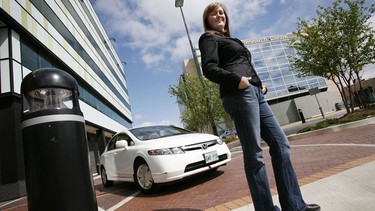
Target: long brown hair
point(206, 13)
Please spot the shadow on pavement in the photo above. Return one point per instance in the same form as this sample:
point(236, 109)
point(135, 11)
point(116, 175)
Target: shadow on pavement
point(184, 184)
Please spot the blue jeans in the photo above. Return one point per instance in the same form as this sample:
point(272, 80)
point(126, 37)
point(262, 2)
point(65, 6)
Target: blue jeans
point(254, 120)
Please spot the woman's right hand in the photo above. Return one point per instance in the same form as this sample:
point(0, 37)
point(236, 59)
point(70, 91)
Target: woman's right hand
point(244, 83)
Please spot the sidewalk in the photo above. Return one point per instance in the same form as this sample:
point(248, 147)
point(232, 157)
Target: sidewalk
point(350, 190)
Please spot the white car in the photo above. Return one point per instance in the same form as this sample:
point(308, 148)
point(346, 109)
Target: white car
point(152, 155)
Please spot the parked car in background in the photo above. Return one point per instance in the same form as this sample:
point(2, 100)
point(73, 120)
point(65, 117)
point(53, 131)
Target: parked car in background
point(227, 133)
point(153, 155)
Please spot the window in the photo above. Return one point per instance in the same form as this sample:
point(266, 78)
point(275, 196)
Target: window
point(112, 144)
point(289, 80)
point(30, 58)
point(279, 52)
point(257, 56)
point(259, 63)
point(125, 137)
point(264, 76)
point(282, 60)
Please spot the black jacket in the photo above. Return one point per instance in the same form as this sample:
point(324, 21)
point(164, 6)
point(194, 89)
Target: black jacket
point(224, 61)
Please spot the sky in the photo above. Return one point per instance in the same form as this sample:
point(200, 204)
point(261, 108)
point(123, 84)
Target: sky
point(150, 37)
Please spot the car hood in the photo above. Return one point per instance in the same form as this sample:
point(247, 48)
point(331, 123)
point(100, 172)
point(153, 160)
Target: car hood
point(180, 140)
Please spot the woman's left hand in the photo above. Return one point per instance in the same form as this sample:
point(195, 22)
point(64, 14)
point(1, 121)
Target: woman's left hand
point(264, 89)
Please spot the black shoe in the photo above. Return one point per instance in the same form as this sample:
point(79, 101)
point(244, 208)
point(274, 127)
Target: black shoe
point(312, 207)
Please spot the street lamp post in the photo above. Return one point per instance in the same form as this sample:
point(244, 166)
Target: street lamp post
point(180, 3)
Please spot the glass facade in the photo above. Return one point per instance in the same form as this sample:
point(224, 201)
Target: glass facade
point(67, 35)
point(270, 60)
point(288, 94)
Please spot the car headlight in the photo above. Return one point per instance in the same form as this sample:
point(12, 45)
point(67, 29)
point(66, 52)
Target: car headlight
point(166, 151)
point(220, 141)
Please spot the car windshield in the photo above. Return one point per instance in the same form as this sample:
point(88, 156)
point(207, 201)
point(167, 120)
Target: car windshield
point(154, 132)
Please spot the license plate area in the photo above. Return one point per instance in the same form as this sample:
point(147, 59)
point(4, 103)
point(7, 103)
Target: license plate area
point(210, 157)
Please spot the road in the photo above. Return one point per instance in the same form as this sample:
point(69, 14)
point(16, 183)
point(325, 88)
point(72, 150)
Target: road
point(227, 188)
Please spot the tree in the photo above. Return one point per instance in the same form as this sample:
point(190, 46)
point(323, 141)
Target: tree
point(336, 45)
point(200, 103)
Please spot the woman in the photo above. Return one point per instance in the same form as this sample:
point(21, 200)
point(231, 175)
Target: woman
point(226, 61)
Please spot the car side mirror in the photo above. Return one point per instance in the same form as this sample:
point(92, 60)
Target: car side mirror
point(121, 144)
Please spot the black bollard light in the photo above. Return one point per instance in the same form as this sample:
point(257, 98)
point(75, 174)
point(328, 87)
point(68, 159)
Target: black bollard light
point(55, 143)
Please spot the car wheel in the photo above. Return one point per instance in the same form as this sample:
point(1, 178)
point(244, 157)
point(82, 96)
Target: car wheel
point(105, 181)
point(143, 177)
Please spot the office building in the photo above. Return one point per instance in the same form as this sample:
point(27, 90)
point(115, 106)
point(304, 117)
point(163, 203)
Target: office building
point(287, 93)
point(67, 35)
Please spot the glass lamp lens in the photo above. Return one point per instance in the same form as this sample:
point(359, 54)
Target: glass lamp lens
point(48, 98)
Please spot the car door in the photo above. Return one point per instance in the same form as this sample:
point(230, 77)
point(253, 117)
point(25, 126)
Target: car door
point(123, 158)
point(108, 158)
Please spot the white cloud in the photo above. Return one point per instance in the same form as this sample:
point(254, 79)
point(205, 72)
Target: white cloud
point(156, 29)
point(164, 122)
point(138, 117)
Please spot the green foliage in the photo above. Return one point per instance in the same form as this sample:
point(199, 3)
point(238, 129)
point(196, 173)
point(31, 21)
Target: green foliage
point(230, 139)
point(358, 115)
point(200, 100)
point(337, 44)
point(330, 122)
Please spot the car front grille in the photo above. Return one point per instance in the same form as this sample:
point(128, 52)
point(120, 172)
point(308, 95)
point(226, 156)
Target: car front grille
point(202, 145)
point(201, 164)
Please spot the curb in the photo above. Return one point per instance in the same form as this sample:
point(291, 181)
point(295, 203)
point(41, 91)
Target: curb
point(236, 146)
point(335, 128)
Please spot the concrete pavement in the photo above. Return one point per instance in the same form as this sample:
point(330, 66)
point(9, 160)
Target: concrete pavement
point(350, 190)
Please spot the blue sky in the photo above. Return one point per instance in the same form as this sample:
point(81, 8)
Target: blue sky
point(151, 38)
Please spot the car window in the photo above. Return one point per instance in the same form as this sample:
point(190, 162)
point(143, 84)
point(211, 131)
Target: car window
point(112, 144)
point(154, 132)
point(123, 136)
point(119, 137)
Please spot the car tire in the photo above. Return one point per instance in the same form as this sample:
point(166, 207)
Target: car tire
point(103, 175)
point(143, 177)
